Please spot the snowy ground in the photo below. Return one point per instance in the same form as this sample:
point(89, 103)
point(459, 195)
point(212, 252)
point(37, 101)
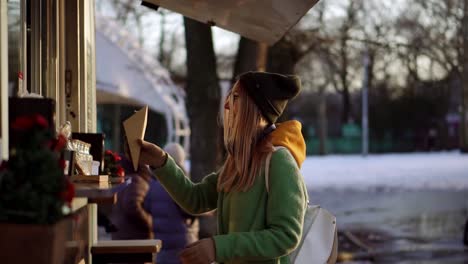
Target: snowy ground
point(442, 170)
point(419, 200)
point(395, 189)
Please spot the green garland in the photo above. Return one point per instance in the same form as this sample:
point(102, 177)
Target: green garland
point(33, 187)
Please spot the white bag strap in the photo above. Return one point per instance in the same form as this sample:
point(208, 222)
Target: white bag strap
point(267, 167)
point(267, 170)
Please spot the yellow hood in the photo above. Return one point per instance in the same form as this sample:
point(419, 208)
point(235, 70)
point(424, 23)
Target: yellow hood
point(289, 135)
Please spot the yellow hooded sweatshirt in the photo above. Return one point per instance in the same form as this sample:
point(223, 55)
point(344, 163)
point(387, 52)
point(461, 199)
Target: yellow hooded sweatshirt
point(289, 135)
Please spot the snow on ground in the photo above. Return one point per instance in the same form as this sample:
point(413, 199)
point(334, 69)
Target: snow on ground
point(440, 170)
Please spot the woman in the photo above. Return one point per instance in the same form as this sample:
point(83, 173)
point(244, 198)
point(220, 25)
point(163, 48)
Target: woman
point(253, 226)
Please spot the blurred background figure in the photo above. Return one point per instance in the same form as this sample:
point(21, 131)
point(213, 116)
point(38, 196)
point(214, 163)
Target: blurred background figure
point(145, 210)
point(170, 223)
point(129, 218)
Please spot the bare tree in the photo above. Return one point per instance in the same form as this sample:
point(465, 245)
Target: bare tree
point(170, 41)
point(250, 57)
point(130, 11)
point(339, 57)
point(203, 100)
point(438, 30)
point(435, 29)
point(141, 20)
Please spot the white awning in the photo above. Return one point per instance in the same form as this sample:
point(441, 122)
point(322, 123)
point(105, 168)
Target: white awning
point(126, 74)
point(123, 79)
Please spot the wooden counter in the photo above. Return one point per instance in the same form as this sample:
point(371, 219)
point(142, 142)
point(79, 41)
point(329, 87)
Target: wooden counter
point(94, 193)
point(99, 190)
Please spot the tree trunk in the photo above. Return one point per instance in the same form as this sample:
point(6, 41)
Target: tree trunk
point(371, 75)
point(464, 110)
point(282, 57)
point(249, 57)
point(346, 111)
point(203, 102)
point(162, 39)
point(322, 127)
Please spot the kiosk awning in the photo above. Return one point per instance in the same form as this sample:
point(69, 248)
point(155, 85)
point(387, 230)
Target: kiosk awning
point(261, 20)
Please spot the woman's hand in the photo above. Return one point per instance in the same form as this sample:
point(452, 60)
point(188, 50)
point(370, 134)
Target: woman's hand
point(201, 252)
point(152, 155)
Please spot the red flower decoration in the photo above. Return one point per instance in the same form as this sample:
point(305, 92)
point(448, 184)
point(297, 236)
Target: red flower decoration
point(68, 194)
point(60, 143)
point(62, 163)
point(23, 123)
point(120, 172)
point(112, 164)
point(50, 143)
point(41, 121)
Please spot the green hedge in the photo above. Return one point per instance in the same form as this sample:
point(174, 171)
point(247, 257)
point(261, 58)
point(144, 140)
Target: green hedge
point(353, 145)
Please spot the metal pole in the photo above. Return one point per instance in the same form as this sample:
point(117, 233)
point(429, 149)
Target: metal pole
point(364, 121)
point(4, 77)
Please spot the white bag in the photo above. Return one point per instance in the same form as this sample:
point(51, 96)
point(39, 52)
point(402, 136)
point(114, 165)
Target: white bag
point(319, 241)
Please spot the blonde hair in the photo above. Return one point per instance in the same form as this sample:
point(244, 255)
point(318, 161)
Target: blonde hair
point(245, 153)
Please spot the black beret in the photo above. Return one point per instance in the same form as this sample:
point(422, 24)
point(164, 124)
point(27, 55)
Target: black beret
point(270, 91)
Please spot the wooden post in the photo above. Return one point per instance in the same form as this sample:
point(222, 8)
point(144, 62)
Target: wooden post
point(4, 78)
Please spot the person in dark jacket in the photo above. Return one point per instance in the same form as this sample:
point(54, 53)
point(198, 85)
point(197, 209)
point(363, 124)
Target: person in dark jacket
point(130, 219)
point(170, 223)
point(145, 210)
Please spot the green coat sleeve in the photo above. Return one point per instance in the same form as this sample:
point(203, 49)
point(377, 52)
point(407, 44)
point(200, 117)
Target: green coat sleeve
point(195, 198)
point(285, 214)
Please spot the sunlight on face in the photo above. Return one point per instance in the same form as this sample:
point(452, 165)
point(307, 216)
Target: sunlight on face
point(232, 99)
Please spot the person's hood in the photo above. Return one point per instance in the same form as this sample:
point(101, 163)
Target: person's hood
point(289, 135)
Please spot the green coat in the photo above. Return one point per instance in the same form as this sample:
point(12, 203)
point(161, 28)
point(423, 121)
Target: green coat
point(253, 226)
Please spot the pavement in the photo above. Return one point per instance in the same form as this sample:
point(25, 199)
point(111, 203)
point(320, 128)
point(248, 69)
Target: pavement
point(398, 226)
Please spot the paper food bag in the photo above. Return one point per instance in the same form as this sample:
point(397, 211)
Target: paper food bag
point(135, 127)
